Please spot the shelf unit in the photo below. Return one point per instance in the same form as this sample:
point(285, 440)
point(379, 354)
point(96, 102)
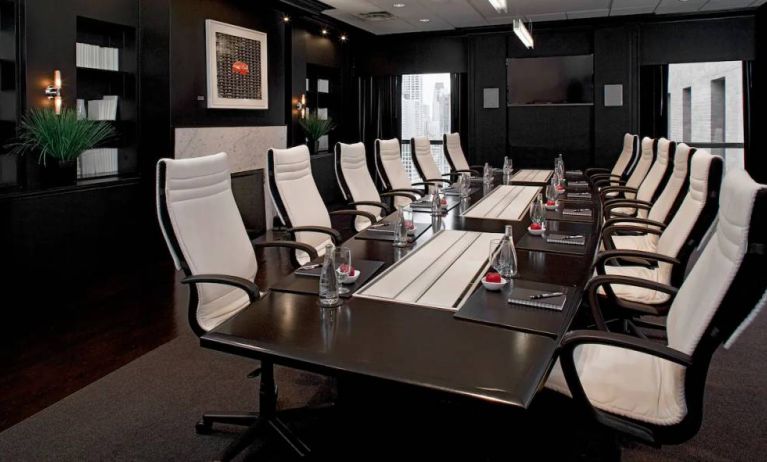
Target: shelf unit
point(8, 90)
point(93, 84)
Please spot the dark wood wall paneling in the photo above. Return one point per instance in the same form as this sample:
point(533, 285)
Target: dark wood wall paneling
point(586, 135)
point(756, 161)
point(65, 238)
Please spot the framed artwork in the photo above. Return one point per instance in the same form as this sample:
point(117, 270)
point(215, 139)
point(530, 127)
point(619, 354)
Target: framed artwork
point(237, 71)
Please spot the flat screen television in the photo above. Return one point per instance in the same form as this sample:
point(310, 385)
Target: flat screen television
point(550, 80)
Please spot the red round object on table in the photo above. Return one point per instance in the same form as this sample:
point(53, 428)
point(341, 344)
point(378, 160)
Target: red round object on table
point(551, 203)
point(493, 277)
point(535, 226)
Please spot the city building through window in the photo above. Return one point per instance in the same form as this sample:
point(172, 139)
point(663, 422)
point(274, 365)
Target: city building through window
point(706, 107)
point(425, 112)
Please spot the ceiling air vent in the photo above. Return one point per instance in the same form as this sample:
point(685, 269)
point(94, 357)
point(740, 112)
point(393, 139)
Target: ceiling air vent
point(376, 16)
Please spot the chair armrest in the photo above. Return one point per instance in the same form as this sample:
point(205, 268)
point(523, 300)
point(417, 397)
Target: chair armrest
point(609, 189)
point(335, 236)
point(358, 213)
point(249, 287)
point(410, 196)
point(380, 205)
point(411, 191)
point(610, 204)
point(640, 308)
point(288, 244)
point(437, 180)
point(604, 176)
point(468, 170)
point(642, 221)
point(607, 181)
point(603, 257)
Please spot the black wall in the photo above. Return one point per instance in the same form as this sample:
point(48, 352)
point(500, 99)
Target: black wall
point(587, 135)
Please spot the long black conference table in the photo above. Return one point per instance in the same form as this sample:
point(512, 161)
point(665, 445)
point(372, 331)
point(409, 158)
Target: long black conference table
point(409, 344)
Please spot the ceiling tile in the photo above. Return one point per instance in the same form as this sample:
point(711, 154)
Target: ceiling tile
point(713, 5)
point(676, 6)
point(587, 14)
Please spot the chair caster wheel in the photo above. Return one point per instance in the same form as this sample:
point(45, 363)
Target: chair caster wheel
point(203, 428)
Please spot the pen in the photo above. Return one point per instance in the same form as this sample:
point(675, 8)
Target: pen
point(574, 236)
point(545, 295)
point(308, 267)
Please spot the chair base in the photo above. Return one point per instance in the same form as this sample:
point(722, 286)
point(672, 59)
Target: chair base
point(258, 428)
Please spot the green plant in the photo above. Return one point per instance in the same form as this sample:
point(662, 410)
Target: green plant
point(315, 128)
point(62, 137)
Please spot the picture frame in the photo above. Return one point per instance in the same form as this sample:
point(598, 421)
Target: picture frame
point(237, 71)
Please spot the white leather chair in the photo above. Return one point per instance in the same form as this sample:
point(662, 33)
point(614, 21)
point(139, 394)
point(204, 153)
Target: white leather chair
point(666, 248)
point(623, 166)
point(670, 198)
point(643, 165)
point(207, 240)
point(651, 186)
point(451, 143)
point(392, 173)
point(654, 392)
point(298, 201)
point(420, 149)
point(357, 185)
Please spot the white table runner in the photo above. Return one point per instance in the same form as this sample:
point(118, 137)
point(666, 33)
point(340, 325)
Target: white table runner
point(532, 176)
point(504, 203)
point(440, 274)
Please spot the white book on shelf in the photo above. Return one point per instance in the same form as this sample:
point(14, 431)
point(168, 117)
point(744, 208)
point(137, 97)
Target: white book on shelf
point(110, 107)
point(94, 109)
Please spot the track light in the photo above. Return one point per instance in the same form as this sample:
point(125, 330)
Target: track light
point(499, 5)
point(523, 34)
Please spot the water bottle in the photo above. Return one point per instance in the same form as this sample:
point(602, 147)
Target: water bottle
point(436, 202)
point(508, 170)
point(487, 174)
point(509, 254)
point(328, 279)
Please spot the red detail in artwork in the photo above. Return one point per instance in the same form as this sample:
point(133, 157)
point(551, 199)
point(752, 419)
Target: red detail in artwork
point(239, 67)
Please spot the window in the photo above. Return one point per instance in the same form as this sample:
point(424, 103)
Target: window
point(425, 112)
point(706, 107)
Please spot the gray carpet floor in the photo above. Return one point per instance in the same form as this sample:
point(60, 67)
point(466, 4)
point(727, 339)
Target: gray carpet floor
point(147, 409)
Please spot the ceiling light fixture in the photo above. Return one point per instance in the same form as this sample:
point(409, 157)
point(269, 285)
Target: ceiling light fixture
point(499, 5)
point(324, 31)
point(424, 19)
point(523, 34)
point(343, 37)
point(286, 18)
point(399, 5)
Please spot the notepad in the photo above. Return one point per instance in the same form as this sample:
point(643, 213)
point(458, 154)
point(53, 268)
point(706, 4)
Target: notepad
point(578, 184)
point(579, 195)
point(577, 212)
point(521, 296)
point(314, 272)
point(559, 238)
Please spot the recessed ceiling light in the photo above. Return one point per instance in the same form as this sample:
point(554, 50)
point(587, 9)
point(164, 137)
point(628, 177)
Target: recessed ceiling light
point(500, 6)
point(343, 37)
point(399, 5)
point(424, 19)
point(324, 32)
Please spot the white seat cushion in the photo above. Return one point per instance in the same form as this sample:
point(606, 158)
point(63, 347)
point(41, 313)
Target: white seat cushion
point(625, 383)
point(660, 274)
point(390, 159)
point(354, 170)
point(455, 152)
point(645, 242)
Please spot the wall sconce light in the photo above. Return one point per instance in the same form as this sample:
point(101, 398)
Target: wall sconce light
point(53, 91)
point(301, 106)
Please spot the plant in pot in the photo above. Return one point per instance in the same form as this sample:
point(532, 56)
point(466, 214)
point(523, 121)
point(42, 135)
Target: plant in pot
point(58, 140)
point(315, 128)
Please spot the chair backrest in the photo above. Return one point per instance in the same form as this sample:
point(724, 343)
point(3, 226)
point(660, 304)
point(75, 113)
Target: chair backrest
point(665, 206)
point(696, 213)
point(389, 165)
point(658, 174)
point(295, 194)
point(723, 288)
point(205, 234)
point(627, 158)
point(420, 148)
point(453, 152)
point(646, 158)
point(355, 181)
